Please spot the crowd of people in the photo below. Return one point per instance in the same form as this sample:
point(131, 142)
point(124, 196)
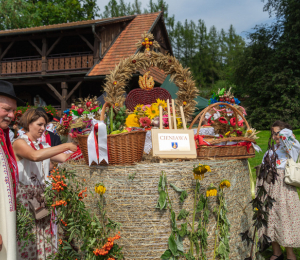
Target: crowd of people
point(26, 161)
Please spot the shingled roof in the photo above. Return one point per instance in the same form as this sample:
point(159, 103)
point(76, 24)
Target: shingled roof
point(124, 46)
point(63, 26)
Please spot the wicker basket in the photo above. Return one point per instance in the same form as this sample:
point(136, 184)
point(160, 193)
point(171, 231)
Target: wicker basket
point(223, 151)
point(123, 149)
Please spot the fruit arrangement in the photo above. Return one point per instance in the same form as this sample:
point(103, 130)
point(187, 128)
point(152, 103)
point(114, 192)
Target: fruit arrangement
point(224, 96)
point(64, 127)
point(117, 124)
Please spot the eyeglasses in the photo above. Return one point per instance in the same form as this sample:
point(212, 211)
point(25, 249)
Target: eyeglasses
point(275, 133)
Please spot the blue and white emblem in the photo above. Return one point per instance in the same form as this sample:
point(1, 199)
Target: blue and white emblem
point(174, 145)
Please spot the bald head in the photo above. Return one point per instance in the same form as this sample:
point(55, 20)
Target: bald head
point(7, 110)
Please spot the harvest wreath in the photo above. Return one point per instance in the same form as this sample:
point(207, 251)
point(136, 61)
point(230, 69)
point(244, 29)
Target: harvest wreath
point(119, 77)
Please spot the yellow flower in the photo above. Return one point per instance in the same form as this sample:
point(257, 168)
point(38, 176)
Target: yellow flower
point(200, 170)
point(138, 108)
point(211, 191)
point(132, 121)
point(161, 102)
point(249, 132)
point(152, 111)
point(100, 189)
point(228, 133)
point(179, 122)
point(225, 183)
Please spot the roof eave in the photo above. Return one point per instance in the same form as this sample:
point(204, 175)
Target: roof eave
point(99, 23)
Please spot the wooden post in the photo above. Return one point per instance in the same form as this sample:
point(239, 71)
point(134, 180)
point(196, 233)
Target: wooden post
point(174, 114)
point(169, 114)
point(64, 87)
point(44, 56)
point(96, 49)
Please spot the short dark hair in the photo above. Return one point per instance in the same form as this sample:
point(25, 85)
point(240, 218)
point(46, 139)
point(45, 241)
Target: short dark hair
point(31, 116)
point(281, 125)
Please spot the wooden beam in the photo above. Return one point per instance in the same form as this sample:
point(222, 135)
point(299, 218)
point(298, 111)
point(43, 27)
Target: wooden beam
point(44, 56)
point(73, 90)
point(87, 42)
point(53, 45)
point(36, 47)
point(64, 87)
point(6, 50)
point(55, 91)
point(51, 93)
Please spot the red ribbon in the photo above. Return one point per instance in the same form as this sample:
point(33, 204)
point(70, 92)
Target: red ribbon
point(202, 142)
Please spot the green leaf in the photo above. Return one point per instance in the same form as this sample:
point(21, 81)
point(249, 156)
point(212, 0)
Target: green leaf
point(173, 221)
point(85, 112)
point(179, 243)
point(183, 214)
point(200, 206)
point(166, 255)
point(183, 231)
point(75, 113)
point(162, 199)
point(183, 196)
point(176, 188)
point(172, 245)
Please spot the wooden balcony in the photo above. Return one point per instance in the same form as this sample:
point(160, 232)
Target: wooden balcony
point(58, 63)
point(64, 62)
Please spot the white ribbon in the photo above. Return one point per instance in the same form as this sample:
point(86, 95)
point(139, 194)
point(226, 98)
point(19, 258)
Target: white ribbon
point(102, 143)
point(256, 147)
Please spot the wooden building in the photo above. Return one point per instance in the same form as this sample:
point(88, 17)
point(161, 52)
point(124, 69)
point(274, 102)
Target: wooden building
point(61, 62)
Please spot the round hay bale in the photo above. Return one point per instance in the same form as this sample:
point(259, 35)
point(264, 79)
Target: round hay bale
point(132, 195)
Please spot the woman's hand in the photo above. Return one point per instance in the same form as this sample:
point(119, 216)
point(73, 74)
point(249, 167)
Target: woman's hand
point(72, 147)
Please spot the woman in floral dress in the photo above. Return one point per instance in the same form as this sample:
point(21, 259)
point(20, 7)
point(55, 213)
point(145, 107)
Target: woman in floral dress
point(284, 219)
point(34, 160)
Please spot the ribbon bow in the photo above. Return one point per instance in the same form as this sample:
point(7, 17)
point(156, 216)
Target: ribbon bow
point(97, 145)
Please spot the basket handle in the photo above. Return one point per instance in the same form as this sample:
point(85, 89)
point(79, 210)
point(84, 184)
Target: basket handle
point(232, 139)
point(106, 104)
point(203, 112)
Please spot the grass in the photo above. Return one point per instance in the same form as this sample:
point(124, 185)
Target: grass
point(263, 144)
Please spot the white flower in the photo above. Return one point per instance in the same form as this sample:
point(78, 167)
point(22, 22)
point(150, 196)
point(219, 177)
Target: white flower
point(74, 117)
point(216, 115)
point(83, 116)
point(90, 116)
point(207, 115)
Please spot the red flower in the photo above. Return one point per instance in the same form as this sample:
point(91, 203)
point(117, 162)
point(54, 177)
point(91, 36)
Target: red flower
point(233, 121)
point(278, 162)
point(240, 123)
point(222, 120)
point(145, 121)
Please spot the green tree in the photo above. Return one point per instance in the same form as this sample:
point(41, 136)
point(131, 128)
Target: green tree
point(27, 13)
point(268, 71)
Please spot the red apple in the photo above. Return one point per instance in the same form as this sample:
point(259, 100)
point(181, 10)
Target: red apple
point(128, 129)
point(221, 99)
point(88, 103)
point(227, 99)
point(232, 101)
point(73, 107)
point(80, 110)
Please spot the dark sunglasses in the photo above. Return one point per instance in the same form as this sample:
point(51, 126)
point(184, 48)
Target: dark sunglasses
point(275, 133)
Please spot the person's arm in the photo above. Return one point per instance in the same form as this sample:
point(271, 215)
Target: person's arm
point(62, 157)
point(1, 242)
point(290, 143)
point(22, 149)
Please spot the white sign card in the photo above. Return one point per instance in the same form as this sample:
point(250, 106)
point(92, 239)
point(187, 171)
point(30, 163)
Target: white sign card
point(173, 143)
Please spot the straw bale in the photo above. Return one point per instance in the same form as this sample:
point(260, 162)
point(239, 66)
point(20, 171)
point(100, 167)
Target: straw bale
point(145, 229)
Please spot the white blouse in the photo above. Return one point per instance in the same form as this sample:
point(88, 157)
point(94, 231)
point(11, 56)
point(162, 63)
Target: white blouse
point(27, 168)
point(289, 147)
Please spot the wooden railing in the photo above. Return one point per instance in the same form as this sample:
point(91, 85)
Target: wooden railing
point(70, 62)
point(21, 66)
point(34, 65)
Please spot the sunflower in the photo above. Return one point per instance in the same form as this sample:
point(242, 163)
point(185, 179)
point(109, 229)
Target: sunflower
point(200, 170)
point(132, 121)
point(211, 191)
point(138, 108)
point(100, 189)
point(224, 183)
point(152, 111)
point(161, 102)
